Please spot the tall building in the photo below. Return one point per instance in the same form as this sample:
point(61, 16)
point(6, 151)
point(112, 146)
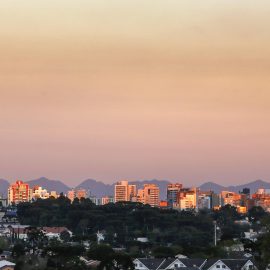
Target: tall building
point(149, 195)
point(124, 192)
point(54, 194)
point(187, 199)
point(261, 198)
point(231, 198)
point(107, 199)
point(76, 193)
point(204, 201)
point(140, 196)
point(215, 200)
point(19, 192)
point(132, 192)
point(40, 193)
point(172, 192)
point(71, 195)
point(81, 193)
point(121, 191)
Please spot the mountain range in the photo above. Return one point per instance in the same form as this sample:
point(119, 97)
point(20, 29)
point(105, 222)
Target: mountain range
point(253, 186)
point(100, 189)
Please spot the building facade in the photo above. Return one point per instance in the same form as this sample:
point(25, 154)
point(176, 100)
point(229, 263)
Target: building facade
point(19, 192)
point(172, 193)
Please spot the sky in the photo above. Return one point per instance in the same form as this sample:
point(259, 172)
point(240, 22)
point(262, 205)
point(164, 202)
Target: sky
point(137, 89)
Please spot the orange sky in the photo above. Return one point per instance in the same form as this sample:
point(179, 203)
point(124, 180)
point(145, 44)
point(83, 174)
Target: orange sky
point(176, 90)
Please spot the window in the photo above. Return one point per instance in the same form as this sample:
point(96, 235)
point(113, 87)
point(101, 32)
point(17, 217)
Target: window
point(223, 266)
point(218, 266)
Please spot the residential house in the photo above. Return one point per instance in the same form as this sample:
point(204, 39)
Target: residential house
point(5, 255)
point(166, 264)
point(6, 265)
point(229, 264)
point(193, 264)
point(54, 232)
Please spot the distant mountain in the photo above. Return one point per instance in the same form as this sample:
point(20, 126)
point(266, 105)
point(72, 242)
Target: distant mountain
point(97, 188)
point(253, 186)
point(162, 184)
point(4, 184)
point(50, 185)
point(100, 189)
point(212, 186)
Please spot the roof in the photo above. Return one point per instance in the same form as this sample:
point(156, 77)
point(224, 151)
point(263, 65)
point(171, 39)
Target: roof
point(54, 229)
point(168, 262)
point(187, 268)
point(6, 263)
point(150, 263)
point(192, 264)
point(6, 252)
point(233, 264)
point(196, 262)
point(19, 230)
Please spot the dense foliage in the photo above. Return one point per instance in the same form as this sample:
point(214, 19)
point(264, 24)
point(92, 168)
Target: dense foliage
point(123, 223)
point(138, 230)
point(186, 232)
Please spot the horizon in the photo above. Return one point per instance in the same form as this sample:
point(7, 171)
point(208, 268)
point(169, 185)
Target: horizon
point(131, 181)
point(135, 89)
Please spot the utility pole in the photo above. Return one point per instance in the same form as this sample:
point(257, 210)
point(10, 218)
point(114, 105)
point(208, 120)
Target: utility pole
point(215, 233)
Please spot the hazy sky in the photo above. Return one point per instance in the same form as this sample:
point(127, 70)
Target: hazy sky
point(176, 90)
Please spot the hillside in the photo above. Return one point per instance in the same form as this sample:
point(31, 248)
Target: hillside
point(253, 186)
point(50, 185)
point(4, 184)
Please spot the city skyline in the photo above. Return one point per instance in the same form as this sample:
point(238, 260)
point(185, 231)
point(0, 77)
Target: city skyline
point(177, 196)
point(135, 90)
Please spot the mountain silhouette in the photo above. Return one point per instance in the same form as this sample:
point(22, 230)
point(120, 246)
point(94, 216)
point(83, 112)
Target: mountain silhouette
point(50, 185)
point(4, 184)
point(253, 186)
point(100, 189)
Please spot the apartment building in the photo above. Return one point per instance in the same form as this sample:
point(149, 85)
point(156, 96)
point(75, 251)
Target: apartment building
point(19, 192)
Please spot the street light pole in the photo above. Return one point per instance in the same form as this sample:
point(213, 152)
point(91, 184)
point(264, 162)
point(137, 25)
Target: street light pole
point(215, 233)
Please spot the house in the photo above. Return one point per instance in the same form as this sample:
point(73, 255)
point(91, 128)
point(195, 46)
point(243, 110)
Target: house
point(6, 265)
point(10, 217)
point(90, 263)
point(148, 263)
point(229, 264)
point(19, 232)
point(166, 264)
point(54, 232)
point(193, 264)
point(5, 255)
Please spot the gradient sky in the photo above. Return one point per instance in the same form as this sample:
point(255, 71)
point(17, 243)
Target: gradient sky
point(176, 90)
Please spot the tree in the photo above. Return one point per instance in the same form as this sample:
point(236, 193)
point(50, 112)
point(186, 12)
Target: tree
point(256, 213)
point(117, 261)
point(100, 252)
point(18, 250)
point(63, 256)
point(163, 252)
point(65, 236)
point(263, 247)
point(36, 238)
point(3, 243)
